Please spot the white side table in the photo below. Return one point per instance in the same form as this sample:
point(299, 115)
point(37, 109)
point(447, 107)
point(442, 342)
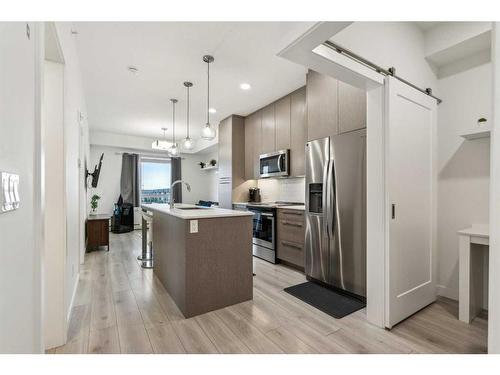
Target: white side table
point(471, 270)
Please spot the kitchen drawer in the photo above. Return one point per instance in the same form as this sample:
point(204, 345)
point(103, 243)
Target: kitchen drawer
point(291, 214)
point(291, 252)
point(291, 230)
point(290, 236)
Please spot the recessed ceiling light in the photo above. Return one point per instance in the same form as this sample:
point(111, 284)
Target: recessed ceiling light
point(212, 110)
point(133, 69)
point(245, 86)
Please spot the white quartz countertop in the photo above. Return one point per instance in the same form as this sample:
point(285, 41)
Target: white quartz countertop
point(300, 207)
point(196, 213)
point(296, 207)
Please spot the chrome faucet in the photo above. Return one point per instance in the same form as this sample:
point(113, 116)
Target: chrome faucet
point(171, 189)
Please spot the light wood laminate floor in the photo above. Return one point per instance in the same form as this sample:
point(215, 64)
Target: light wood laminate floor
point(121, 308)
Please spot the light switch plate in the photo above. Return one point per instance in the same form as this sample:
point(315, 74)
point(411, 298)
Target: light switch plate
point(193, 226)
point(9, 192)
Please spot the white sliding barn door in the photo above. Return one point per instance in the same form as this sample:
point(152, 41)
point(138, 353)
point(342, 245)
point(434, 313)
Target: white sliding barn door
point(411, 181)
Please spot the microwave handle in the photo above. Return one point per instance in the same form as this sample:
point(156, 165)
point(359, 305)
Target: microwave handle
point(281, 162)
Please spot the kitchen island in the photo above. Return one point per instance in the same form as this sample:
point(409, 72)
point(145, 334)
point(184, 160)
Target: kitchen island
point(202, 256)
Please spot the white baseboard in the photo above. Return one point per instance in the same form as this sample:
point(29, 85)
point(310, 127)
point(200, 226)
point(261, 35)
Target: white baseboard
point(73, 295)
point(447, 292)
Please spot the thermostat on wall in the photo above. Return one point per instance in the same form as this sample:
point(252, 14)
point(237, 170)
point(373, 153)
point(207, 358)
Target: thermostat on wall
point(9, 194)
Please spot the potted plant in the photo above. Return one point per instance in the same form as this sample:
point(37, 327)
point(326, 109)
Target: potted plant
point(213, 162)
point(201, 164)
point(94, 203)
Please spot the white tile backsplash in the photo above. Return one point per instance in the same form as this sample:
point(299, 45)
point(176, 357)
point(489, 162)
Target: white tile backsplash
point(282, 189)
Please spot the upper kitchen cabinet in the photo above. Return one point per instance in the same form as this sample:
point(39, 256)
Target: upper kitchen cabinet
point(268, 135)
point(282, 122)
point(279, 126)
point(253, 125)
point(352, 107)
point(298, 132)
point(322, 106)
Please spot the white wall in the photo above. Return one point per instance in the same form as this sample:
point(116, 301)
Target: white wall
point(76, 149)
point(20, 267)
point(494, 276)
point(203, 183)
point(108, 187)
point(464, 166)
point(55, 215)
point(449, 34)
point(104, 138)
point(391, 44)
point(101, 138)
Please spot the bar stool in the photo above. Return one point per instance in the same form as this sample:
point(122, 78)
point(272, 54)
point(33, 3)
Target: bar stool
point(146, 256)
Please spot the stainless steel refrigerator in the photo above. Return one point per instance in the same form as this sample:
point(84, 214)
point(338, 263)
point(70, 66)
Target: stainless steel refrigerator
point(336, 211)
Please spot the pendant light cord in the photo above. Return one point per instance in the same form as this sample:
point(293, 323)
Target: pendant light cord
point(187, 111)
point(208, 92)
point(173, 121)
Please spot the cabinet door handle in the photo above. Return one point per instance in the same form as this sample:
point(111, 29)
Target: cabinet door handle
point(290, 244)
point(292, 213)
point(393, 210)
point(292, 224)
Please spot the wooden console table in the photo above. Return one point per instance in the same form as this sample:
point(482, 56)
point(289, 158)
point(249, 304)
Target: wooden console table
point(97, 231)
point(471, 271)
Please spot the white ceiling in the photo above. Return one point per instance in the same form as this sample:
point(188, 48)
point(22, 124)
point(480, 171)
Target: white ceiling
point(169, 53)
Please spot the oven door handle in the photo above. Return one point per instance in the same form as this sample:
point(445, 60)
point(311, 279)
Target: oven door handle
point(268, 215)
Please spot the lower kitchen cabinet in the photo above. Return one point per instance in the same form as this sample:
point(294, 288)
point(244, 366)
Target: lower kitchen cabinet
point(291, 236)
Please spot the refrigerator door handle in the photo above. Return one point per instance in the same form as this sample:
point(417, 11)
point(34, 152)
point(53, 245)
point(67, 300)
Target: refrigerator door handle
point(325, 202)
point(331, 199)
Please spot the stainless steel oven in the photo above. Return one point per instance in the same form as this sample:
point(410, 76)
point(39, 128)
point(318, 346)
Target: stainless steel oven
point(275, 164)
point(264, 232)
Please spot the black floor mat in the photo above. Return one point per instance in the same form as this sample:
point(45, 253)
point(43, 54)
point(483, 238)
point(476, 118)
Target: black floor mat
point(324, 299)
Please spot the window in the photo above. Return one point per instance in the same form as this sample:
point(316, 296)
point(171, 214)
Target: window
point(155, 181)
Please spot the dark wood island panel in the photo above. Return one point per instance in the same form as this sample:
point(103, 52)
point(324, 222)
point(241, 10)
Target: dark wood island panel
point(207, 270)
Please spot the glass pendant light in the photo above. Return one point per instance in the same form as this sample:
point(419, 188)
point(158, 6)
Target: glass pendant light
point(173, 151)
point(188, 143)
point(208, 131)
point(161, 144)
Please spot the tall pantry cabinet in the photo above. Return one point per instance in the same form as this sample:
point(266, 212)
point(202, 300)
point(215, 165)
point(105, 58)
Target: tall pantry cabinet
point(232, 183)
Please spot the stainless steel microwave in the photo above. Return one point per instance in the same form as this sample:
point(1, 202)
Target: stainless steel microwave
point(275, 164)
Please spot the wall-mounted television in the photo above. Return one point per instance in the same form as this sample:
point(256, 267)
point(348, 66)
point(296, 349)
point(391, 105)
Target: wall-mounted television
point(96, 173)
